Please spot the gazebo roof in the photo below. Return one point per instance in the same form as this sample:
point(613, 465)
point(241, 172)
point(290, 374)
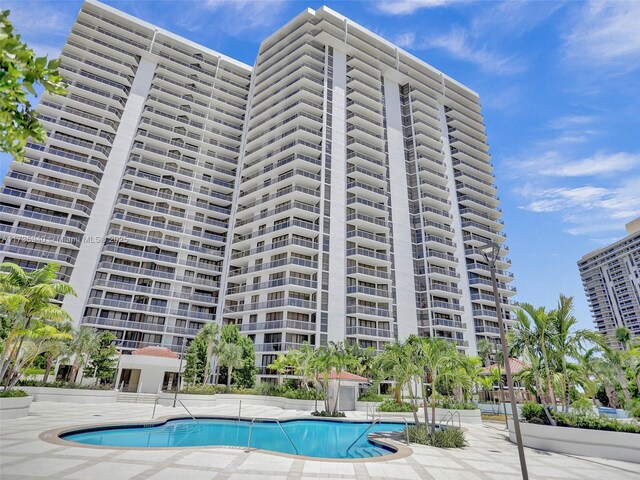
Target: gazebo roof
point(516, 365)
point(151, 351)
point(346, 376)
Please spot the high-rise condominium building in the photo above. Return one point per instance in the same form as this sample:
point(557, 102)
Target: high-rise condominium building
point(611, 279)
point(338, 190)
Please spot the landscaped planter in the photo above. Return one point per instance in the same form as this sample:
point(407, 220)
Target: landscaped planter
point(466, 416)
point(194, 400)
point(71, 395)
point(580, 441)
point(14, 407)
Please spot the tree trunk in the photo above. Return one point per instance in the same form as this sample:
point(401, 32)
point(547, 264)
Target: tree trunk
point(425, 407)
point(433, 405)
point(229, 371)
point(414, 408)
point(624, 386)
point(47, 367)
point(335, 404)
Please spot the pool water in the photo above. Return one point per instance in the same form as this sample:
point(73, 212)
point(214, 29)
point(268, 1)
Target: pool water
point(312, 438)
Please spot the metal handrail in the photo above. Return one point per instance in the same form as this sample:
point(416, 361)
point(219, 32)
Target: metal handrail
point(449, 418)
point(406, 426)
point(155, 404)
point(279, 424)
point(363, 433)
point(190, 414)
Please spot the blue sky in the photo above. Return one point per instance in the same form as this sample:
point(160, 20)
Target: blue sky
point(559, 84)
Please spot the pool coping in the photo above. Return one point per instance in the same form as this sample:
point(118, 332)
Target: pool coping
point(54, 436)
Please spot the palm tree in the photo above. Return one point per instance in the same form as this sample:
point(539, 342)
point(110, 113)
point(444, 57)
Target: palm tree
point(623, 335)
point(54, 347)
point(210, 334)
point(25, 297)
point(439, 360)
point(616, 361)
point(85, 341)
point(531, 335)
point(485, 349)
point(567, 341)
point(586, 368)
point(230, 356)
point(35, 343)
point(397, 364)
point(280, 366)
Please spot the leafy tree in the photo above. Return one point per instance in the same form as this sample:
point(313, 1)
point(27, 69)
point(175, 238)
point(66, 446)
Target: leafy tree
point(246, 375)
point(20, 72)
point(103, 359)
point(195, 360)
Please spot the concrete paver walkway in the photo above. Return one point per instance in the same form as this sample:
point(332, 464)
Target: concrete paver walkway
point(489, 456)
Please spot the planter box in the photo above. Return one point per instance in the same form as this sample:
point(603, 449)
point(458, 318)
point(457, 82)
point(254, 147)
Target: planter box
point(71, 395)
point(191, 400)
point(580, 441)
point(466, 416)
point(15, 407)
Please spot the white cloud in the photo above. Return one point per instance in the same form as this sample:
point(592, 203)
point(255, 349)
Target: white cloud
point(515, 18)
point(406, 7)
point(588, 209)
point(405, 40)
point(458, 45)
point(606, 34)
point(571, 121)
point(554, 164)
point(248, 14)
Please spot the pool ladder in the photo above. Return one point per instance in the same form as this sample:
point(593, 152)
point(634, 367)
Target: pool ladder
point(155, 404)
point(279, 424)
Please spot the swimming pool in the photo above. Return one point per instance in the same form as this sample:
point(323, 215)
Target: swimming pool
point(311, 438)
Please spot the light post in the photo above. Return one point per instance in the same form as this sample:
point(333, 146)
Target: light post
point(491, 257)
point(504, 405)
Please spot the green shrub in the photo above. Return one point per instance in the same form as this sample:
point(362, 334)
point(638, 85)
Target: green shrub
point(13, 394)
point(634, 410)
point(455, 405)
point(32, 371)
point(203, 389)
point(592, 422)
point(302, 394)
point(61, 384)
point(447, 438)
point(533, 413)
point(372, 396)
point(393, 406)
point(328, 414)
point(582, 406)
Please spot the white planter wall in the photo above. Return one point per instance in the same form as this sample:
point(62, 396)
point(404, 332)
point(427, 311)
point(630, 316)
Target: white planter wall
point(466, 416)
point(580, 441)
point(210, 401)
point(15, 407)
point(71, 395)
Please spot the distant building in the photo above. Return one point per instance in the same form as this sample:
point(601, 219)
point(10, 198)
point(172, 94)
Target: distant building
point(611, 279)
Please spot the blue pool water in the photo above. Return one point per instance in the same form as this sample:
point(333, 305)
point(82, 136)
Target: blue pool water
point(312, 438)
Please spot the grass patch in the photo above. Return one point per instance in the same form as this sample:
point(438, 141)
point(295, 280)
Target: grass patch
point(393, 406)
point(534, 413)
point(447, 438)
point(13, 394)
point(328, 414)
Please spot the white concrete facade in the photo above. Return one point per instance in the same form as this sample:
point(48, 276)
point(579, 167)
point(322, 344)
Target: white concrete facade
point(336, 191)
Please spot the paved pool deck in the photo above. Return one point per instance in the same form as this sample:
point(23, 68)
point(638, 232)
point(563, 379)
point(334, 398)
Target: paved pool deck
point(489, 456)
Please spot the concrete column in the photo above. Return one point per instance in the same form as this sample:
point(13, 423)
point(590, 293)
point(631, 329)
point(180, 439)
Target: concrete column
point(98, 224)
point(402, 246)
point(337, 243)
